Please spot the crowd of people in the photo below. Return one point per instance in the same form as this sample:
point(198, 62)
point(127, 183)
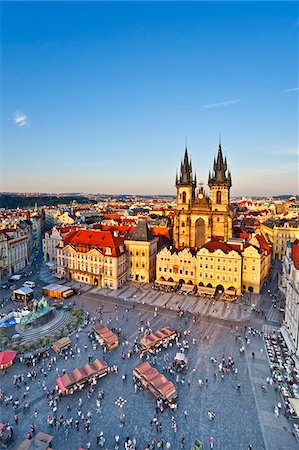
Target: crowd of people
point(66, 417)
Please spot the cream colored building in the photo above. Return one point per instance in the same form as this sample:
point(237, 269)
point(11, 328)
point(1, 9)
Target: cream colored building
point(52, 239)
point(176, 266)
point(14, 250)
point(234, 266)
point(142, 249)
point(94, 257)
point(256, 267)
point(219, 266)
point(278, 233)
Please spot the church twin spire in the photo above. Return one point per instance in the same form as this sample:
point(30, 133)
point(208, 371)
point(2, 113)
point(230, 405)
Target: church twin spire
point(218, 174)
point(185, 178)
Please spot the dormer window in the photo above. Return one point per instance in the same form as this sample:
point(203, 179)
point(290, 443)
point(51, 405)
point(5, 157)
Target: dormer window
point(108, 251)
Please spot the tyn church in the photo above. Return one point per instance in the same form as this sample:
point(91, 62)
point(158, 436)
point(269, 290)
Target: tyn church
point(199, 218)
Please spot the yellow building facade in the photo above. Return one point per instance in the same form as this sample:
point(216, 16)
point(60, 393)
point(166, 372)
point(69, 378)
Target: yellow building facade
point(220, 268)
point(278, 233)
point(176, 266)
point(142, 248)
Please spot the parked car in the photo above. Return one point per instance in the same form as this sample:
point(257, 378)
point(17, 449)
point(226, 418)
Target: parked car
point(4, 286)
point(30, 284)
point(15, 277)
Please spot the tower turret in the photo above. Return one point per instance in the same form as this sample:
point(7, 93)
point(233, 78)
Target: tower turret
point(220, 182)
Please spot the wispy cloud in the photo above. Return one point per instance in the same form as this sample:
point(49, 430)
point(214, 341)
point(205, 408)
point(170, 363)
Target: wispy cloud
point(20, 119)
point(279, 170)
point(286, 91)
point(285, 152)
point(220, 104)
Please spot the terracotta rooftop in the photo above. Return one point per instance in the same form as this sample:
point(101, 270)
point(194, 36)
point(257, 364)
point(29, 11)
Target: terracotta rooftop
point(95, 239)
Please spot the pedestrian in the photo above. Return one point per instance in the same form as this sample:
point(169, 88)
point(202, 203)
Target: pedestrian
point(239, 388)
point(183, 442)
point(185, 414)
point(211, 442)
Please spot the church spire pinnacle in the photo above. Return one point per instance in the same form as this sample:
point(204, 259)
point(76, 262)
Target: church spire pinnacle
point(185, 176)
point(218, 174)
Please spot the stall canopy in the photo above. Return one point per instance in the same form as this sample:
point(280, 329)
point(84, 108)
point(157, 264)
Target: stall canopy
point(157, 337)
point(23, 291)
point(166, 283)
point(159, 382)
point(230, 292)
point(205, 290)
point(94, 368)
point(7, 356)
point(295, 405)
point(187, 287)
point(62, 343)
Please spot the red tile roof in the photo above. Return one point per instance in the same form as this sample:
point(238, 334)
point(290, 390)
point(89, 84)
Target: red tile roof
point(96, 239)
point(216, 245)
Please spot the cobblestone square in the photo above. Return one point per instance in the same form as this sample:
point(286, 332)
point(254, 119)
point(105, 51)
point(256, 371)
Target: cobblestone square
point(236, 424)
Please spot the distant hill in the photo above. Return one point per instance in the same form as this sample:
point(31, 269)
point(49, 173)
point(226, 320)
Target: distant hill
point(285, 197)
point(13, 201)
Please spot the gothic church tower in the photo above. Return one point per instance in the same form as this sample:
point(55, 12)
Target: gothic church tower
point(220, 183)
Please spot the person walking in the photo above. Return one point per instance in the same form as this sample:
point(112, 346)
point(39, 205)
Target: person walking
point(211, 442)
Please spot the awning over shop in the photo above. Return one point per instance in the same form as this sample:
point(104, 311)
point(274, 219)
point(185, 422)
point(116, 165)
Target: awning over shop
point(166, 283)
point(187, 287)
point(230, 292)
point(60, 385)
point(205, 290)
point(23, 291)
point(295, 405)
point(287, 339)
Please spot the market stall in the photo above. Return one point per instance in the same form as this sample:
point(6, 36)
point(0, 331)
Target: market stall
point(24, 294)
point(62, 344)
point(41, 441)
point(6, 358)
point(149, 378)
point(78, 378)
point(151, 341)
point(105, 336)
point(205, 292)
point(57, 291)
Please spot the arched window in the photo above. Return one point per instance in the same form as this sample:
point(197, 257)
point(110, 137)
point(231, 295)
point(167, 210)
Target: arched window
point(183, 224)
point(184, 197)
point(218, 197)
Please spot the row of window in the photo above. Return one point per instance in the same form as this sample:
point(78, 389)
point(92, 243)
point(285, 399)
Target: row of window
point(137, 265)
point(218, 267)
point(137, 253)
point(235, 261)
point(181, 271)
point(219, 277)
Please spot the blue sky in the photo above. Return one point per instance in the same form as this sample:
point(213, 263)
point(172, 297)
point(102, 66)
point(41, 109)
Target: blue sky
point(99, 97)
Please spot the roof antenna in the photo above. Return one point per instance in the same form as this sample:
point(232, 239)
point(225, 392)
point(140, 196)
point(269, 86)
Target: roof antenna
point(219, 139)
